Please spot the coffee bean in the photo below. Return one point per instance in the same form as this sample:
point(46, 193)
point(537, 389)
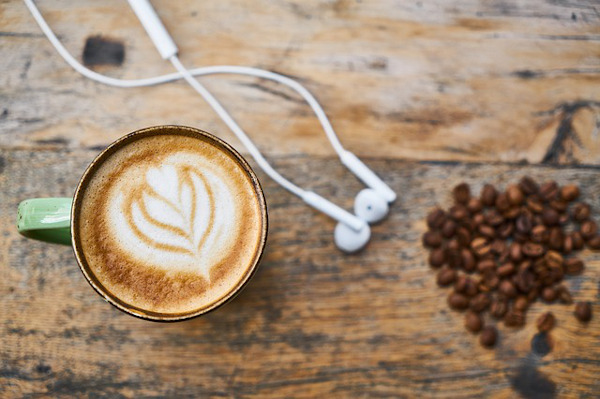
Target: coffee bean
point(453, 244)
point(432, 239)
point(581, 212)
point(514, 318)
point(505, 230)
point(516, 254)
point(559, 206)
point(564, 296)
point(506, 270)
point(525, 282)
point(502, 203)
point(458, 301)
point(577, 240)
point(550, 217)
point(473, 322)
point(437, 257)
point(478, 219)
point(462, 193)
point(534, 205)
point(468, 260)
point(446, 276)
point(563, 219)
point(498, 308)
point(588, 230)
point(549, 191)
point(494, 218)
point(528, 185)
point(546, 322)
point(480, 302)
point(454, 257)
point(488, 337)
point(556, 238)
point(524, 223)
point(474, 206)
point(436, 218)
point(554, 259)
point(521, 303)
point(486, 266)
point(488, 195)
point(583, 311)
point(507, 289)
point(489, 283)
point(458, 213)
point(549, 294)
point(533, 250)
point(449, 228)
point(540, 234)
point(515, 195)
point(487, 231)
point(569, 193)
point(461, 284)
point(567, 246)
point(511, 213)
point(573, 266)
point(499, 247)
point(594, 242)
point(480, 246)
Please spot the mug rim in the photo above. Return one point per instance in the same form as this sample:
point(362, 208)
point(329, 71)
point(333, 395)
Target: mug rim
point(117, 145)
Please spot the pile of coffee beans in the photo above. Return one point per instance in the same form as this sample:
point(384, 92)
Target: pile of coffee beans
point(503, 250)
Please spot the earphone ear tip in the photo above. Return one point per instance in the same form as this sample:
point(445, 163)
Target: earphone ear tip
point(370, 206)
point(349, 240)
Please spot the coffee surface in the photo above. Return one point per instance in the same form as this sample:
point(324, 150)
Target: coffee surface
point(170, 223)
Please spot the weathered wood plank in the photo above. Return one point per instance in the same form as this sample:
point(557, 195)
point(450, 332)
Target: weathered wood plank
point(471, 80)
point(312, 323)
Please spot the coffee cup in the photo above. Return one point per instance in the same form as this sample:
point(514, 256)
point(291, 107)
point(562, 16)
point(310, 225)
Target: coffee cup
point(167, 223)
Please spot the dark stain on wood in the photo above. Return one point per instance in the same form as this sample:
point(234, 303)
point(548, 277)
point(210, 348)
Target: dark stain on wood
point(100, 50)
point(2, 164)
point(541, 344)
point(531, 383)
point(58, 140)
point(526, 74)
point(4, 113)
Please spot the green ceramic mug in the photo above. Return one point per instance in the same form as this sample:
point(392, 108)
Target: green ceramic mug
point(171, 208)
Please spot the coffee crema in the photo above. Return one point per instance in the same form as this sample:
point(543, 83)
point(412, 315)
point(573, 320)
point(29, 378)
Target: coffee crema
point(170, 223)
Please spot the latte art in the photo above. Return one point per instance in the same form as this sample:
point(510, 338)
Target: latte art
point(179, 215)
point(171, 223)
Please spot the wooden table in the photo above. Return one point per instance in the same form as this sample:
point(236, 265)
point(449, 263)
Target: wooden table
point(429, 93)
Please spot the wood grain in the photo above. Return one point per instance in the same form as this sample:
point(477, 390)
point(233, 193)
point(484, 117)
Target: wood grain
point(468, 80)
point(312, 323)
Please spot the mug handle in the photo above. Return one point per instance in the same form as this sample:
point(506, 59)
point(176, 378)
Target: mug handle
point(46, 219)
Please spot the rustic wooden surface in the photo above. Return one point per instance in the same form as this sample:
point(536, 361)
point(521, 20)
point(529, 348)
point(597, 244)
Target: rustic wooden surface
point(430, 93)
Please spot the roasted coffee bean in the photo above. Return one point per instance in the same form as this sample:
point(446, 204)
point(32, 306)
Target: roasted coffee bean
point(567, 246)
point(556, 239)
point(453, 244)
point(594, 242)
point(460, 285)
point(488, 337)
point(436, 218)
point(498, 246)
point(535, 205)
point(502, 203)
point(494, 218)
point(454, 257)
point(463, 237)
point(525, 266)
point(516, 254)
point(487, 231)
point(507, 289)
point(488, 195)
point(525, 282)
point(515, 195)
point(528, 185)
point(577, 240)
point(554, 259)
point(514, 318)
point(462, 193)
point(549, 191)
point(564, 296)
point(432, 239)
point(540, 234)
point(474, 206)
point(559, 206)
point(446, 276)
point(511, 213)
point(583, 311)
point(458, 213)
point(478, 219)
point(505, 230)
point(486, 266)
point(550, 217)
point(524, 223)
point(546, 322)
point(521, 303)
point(480, 246)
point(569, 193)
point(498, 308)
point(563, 219)
point(506, 270)
point(588, 229)
point(549, 294)
point(573, 266)
point(473, 322)
point(489, 283)
point(533, 250)
point(458, 301)
point(449, 228)
point(480, 302)
point(520, 238)
point(437, 257)
point(468, 224)
point(581, 212)
point(468, 260)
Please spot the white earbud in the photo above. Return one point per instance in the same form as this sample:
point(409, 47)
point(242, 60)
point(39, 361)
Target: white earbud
point(369, 206)
point(350, 240)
